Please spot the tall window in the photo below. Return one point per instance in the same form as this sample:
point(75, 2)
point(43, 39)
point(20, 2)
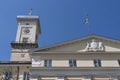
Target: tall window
point(26, 76)
point(119, 62)
point(97, 62)
point(25, 40)
point(8, 75)
point(72, 63)
point(48, 63)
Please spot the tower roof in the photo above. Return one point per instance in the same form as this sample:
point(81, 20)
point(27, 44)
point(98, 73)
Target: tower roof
point(19, 18)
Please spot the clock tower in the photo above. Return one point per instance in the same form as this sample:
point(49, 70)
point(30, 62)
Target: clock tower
point(26, 37)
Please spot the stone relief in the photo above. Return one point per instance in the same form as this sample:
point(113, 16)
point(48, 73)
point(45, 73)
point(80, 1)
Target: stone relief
point(94, 45)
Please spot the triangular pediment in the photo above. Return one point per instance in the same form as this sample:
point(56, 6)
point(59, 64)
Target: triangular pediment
point(83, 44)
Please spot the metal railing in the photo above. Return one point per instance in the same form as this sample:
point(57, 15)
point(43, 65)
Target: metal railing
point(23, 42)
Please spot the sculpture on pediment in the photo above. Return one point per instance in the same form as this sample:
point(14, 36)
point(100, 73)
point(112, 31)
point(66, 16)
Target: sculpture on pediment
point(100, 46)
point(88, 45)
point(93, 45)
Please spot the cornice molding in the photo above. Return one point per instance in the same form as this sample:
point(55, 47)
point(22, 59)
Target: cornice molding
point(74, 41)
point(77, 68)
point(77, 53)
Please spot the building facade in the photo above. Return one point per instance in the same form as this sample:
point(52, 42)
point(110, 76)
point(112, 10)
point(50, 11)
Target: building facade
point(15, 70)
point(90, 57)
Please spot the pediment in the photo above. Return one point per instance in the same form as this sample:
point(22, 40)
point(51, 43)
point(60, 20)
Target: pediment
point(83, 44)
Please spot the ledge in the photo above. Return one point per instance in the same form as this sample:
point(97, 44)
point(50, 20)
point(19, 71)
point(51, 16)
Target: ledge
point(20, 45)
point(15, 62)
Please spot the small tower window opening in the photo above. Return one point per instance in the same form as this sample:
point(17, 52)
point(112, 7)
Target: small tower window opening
point(22, 55)
point(72, 63)
point(25, 40)
point(97, 62)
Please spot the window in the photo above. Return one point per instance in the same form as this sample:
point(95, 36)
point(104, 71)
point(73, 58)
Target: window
point(8, 75)
point(25, 40)
point(119, 62)
point(27, 23)
point(72, 63)
point(97, 62)
point(26, 76)
point(47, 62)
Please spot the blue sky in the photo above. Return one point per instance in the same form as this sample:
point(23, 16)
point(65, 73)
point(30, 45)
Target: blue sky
point(60, 20)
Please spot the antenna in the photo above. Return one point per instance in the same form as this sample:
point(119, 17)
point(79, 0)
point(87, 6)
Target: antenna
point(30, 13)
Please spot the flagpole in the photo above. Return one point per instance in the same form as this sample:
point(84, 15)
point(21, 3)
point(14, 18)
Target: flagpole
point(30, 13)
point(89, 32)
point(87, 23)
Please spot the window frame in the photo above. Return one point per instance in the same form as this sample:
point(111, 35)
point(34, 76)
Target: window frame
point(72, 63)
point(97, 63)
point(26, 75)
point(8, 75)
point(48, 63)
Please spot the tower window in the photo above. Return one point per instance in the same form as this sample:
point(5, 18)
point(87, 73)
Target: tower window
point(22, 55)
point(47, 62)
point(25, 40)
point(72, 63)
point(97, 62)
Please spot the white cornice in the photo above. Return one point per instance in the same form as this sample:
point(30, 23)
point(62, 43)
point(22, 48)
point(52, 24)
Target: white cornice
point(75, 71)
point(76, 53)
point(77, 68)
point(27, 17)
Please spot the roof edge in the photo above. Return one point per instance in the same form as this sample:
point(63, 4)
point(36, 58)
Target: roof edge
point(73, 40)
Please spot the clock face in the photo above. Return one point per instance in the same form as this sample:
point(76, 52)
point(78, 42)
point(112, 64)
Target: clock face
point(26, 30)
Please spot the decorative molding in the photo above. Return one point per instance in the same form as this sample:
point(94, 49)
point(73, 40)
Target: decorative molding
point(94, 45)
point(75, 73)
